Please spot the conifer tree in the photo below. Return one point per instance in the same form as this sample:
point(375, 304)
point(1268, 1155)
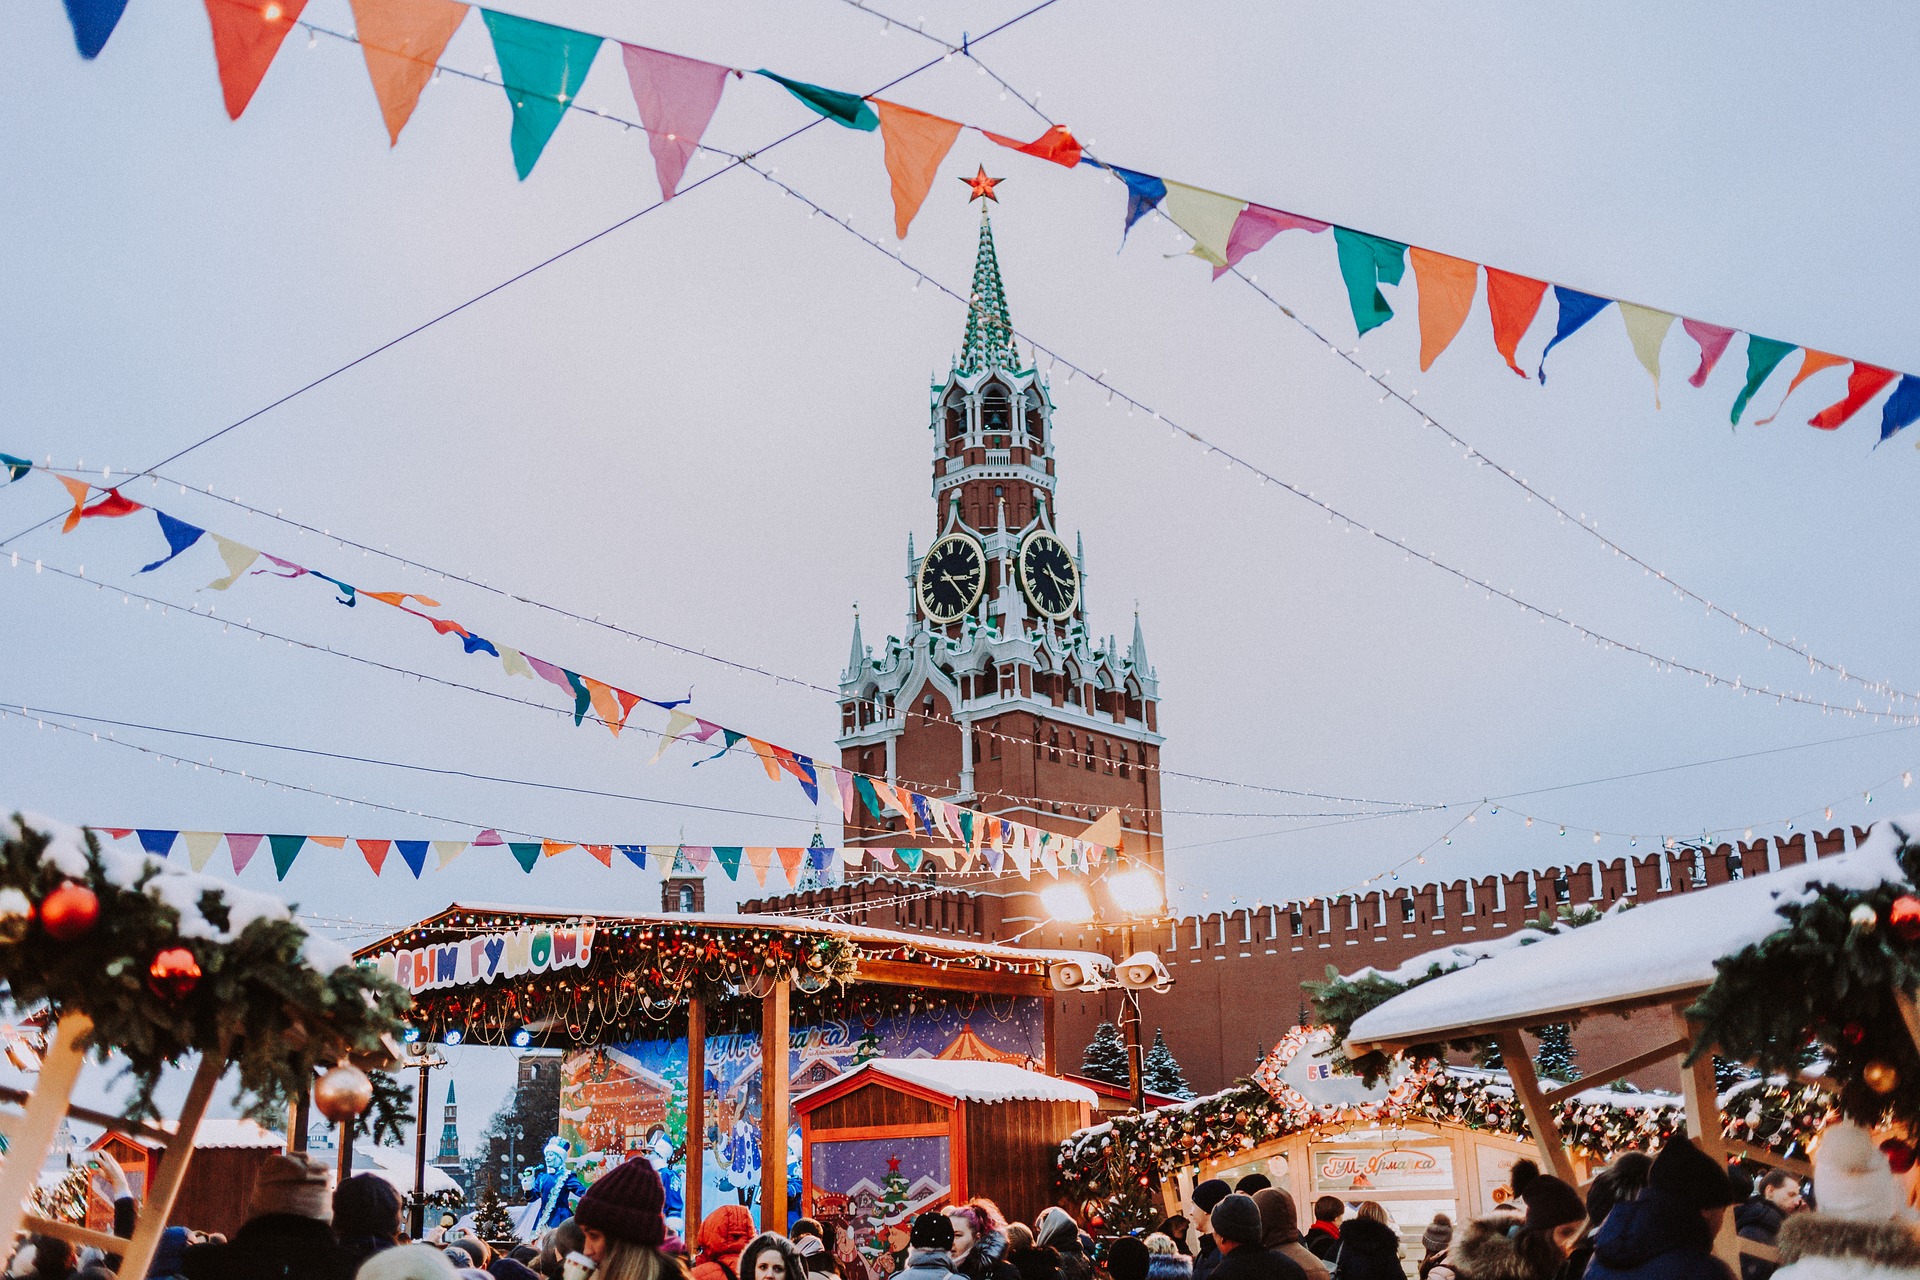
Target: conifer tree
point(1162, 1074)
point(1556, 1055)
point(493, 1223)
point(1106, 1056)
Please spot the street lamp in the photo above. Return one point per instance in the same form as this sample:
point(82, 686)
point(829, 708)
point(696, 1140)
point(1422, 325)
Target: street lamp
point(1138, 896)
point(421, 1057)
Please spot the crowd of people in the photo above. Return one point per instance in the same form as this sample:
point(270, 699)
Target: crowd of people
point(1641, 1218)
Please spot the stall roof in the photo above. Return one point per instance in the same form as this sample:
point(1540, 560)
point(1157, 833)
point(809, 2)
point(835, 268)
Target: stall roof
point(1660, 950)
point(960, 1080)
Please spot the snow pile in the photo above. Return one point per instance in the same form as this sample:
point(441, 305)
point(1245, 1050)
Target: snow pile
point(968, 1081)
point(1660, 947)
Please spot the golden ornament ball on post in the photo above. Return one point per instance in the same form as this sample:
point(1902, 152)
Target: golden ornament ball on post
point(342, 1093)
point(1880, 1076)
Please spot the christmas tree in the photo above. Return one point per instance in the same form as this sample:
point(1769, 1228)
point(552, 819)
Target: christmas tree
point(1555, 1058)
point(492, 1223)
point(1106, 1057)
point(893, 1197)
point(1161, 1073)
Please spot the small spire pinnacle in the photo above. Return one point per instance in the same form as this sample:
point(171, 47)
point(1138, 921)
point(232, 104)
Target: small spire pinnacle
point(1138, 654)
point(989, 337)
point(858, 655)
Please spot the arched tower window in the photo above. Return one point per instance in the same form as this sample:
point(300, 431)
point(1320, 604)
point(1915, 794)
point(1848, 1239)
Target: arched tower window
point(1036, 419)
point(955, 413)
point(996, 415)
point(686, 898)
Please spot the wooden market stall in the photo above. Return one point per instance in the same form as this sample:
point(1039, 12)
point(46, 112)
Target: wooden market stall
point(1664, 956)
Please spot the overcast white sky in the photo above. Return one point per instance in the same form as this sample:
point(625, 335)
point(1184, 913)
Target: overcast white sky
point(710, 426)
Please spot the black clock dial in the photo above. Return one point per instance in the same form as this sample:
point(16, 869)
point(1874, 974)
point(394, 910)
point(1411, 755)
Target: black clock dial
point(952, 577)
point(1048, 576)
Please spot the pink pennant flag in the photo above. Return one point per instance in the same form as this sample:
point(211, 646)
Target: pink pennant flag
point(489, 836)
point(241, 849)
point(677, 97)
point(1254, 227)
point(1713, 340)
point(698, 855)
point(845, 781)
point(550, 673)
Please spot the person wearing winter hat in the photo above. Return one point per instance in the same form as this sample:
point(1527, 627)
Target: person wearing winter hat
point(1862, 1229)
point(1435, 1241)
point(288, 1234)
point(1667, 1232)
point(1253, 1182)
point(1280, 1231)
point(1205, 1197)
point(771, 1257)
point(1531, 1246)
point(929, 1249)
point(1028, 1258)
point(722, 1236)
point(1055, 1229)
point(623, 1220)
point(408, 1262)
point(366, 1216)
point(812, 1242)
point(1237, 1230)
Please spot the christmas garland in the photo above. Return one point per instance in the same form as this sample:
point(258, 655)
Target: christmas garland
point(168, 964)
point(1829, 976)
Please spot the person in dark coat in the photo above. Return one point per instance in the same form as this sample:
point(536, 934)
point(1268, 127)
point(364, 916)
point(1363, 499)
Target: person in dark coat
point(1667, 1234)
point(1323, 1237)
point(1056, 1230)
point(980, 1241)
point(929, 1249)
point(1280, 1231)
point(366, 1216)
point(1369, 1246)
point(1175, 1229)
point(1128, 1259)
point(1624, 1179)
point(812, 1242)
point(1761, 1218)
point(771, 1257)
point(1531, 1245)
point(288, 1234)
point(1028, 1258)
point(1206, 1197)
point(1237, 1230)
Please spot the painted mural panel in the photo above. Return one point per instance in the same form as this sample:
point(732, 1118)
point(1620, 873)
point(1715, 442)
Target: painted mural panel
point(870, 1188)
point(616, 1100)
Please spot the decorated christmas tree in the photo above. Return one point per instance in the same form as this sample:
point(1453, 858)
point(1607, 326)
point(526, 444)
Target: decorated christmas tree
point(493, 1224)
point(1555, 1058)
point(893, 1195)
point(1106, 1056)
point(1161, 1072)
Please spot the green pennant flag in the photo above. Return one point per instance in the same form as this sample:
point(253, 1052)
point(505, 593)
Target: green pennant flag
point(16, 467)
point(966, 827)
point(868, 796)
point(542, 68)
point(285, 850)
point(1763, 357)
point(1367, 262)
point(581, 698)
point(525, 854)
point(849, 109)
point(728, 856)
point(910, 858)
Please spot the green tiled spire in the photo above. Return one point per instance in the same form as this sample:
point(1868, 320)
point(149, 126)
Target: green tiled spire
point(989, 340)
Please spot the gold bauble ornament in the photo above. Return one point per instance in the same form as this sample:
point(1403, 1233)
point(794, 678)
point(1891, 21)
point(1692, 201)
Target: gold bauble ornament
point(1880, 1076)
point(16, 915)
point(1864, 918)
point(342, 1093)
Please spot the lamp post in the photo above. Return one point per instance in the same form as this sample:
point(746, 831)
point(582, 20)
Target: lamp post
point(422, 1058)
point(1136, 897)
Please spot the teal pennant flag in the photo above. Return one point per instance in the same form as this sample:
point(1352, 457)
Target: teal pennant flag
point(849, 109)
point(542, 67)
point(1367, 262)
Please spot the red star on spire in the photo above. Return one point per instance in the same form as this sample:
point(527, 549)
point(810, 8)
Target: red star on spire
point(981, 185)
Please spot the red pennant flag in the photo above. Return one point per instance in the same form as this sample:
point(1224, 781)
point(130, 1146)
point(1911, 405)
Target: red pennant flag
point(1057, 144)
point(402, 39)
point(603, 853)
point(246, 36)
point(790, 862)
point(1863, 384)
point(112, 505)
point(1514, 301)
point(375, 852)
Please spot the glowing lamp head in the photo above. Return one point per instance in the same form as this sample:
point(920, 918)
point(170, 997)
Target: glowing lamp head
point(1067, 903)
point(453, 1036)
point(1138, 892)
point(410, 1035)
point(521, 1038)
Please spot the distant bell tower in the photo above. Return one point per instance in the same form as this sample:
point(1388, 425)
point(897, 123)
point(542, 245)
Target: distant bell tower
point(449, 1132)
point(999, 695)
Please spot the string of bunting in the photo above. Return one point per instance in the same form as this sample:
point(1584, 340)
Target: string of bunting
point(976, 837)
point(543, 67)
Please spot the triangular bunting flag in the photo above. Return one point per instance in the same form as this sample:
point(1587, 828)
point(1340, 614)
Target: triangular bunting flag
point(513, 663)
point(1647, 330)
point(849, 109)
point(1713, 340)
point(111, 507)
point(1763, 357)
point(16, 467)
point(676, 98)
point(602, 853)
point(767, 759)
point(375, 852)
point(542, 68)
point(93, 21)
point(1446, 295)
point(179, 535)
point(1810, 363)
point(1207, 217)
point(285, 850)
point(77, 490)
point(1256, 225)
point(635, 853)
point(401, 41)
point(760, 858)
point(1863, 384)
point(246, 36)
point(605, 705)
point(790, 859)
point(331, 842)
point(157, 843)
point(241, 848)
point(914, 144)
point(525, 852)
point(910, 858)
point(582, 697)
point(200, 846)
point(1366, 263)
point(1902, 407)
point(697, 855)
point(678, 722)
point(238, 560)
point(1576, 308)
point(1144, 192)
point(1513, 301)
point(118, 833)
point(488, 837)
point(553, 848)
point(414, 854)
point(728, 856)
point(844, 781)
point(445, 851)
point(1056, 144)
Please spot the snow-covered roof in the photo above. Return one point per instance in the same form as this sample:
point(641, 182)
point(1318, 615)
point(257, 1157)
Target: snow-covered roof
point(395, 1165)
point(230, 1132)
point(1665, 947)
point(971, 1081)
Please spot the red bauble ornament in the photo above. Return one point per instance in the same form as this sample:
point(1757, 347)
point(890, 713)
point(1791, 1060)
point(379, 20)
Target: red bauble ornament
point(69, 912)
point(173, 974)
point(1853, 1033)
point(1899, 1154)
point(1903, 917)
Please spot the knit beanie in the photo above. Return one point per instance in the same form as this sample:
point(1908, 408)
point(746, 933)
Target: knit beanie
point(1550, 1202)
point(626, 1202)
point(1237, 1218)
point(366, 1205)
point(1127, 1259)
point(1210, 1193)
point(291, 1184)
point(1438, 1235)
point(407, 1262)
point(932, 1231)
point(1688, 1175)
point(1852, 1177)
point(1253, 1182)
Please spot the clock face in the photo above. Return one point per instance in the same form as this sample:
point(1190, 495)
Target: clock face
point(951, 577)
point(1048, 576)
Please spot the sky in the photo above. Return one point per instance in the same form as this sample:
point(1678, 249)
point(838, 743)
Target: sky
point(709, 428)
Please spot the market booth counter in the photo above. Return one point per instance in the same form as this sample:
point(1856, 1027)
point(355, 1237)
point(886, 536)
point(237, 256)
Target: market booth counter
point(896, 1136)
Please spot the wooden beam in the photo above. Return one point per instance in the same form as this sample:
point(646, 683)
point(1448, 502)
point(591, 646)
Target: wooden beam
point(1761, 1155)
point(59, 1069)
point(696, 1154)
point(164, 1183)
point(905, 973)
point(775, 1081)
point(1526, 1086)
point(85, 1237)
point(1618, 1071)
point(1908, 1014)
point(1702, 1097)
point(106, 1120)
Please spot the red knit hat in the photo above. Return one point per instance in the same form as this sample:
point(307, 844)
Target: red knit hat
point(627, 1202)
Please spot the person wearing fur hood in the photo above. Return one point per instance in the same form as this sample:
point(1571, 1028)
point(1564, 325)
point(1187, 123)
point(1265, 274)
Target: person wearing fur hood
point(1531, 1246)
point(771, 1257)
point(1863, 1229)
point(980, 1241)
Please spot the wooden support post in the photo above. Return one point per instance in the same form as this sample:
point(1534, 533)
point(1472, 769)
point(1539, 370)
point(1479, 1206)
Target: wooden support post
point(1704, 1129)
point(1049, 1035)
point(299, 1114)
point(1908, 1014)
point(33, 1136)
point(1546, 1134)
point(696, 1155)
point(774, 1083)
point(164, 1185)
point(343, 1133)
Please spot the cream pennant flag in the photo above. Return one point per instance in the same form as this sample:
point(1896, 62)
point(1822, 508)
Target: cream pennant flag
point(513, 664)
point(447, 850)
point(851, 856)
point(949, 856)
point(1017, 852)
point(1106, 831)
point(1646, 330)
point(200, 846)
point(678, 722)
point(1207, 216)
point(238, 559)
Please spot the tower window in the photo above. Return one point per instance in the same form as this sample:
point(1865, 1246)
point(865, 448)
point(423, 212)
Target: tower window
point(686, 898)
point(999, 491)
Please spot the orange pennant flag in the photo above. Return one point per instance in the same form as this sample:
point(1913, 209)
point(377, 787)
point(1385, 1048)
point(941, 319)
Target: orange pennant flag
point(604, 705)
point(375, 852)
point(550, 847)
point(398, 599)
point(401, 40)
point(761, 860)
point(78, 490)
point(1863, 384)
point(1514, 301)
point(1812, 363)
point(603, 853)
point(332, 842)
point(246, 36)
point(768, 760)
point(1446, 295)
point(790, 859)
point(915, 144)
